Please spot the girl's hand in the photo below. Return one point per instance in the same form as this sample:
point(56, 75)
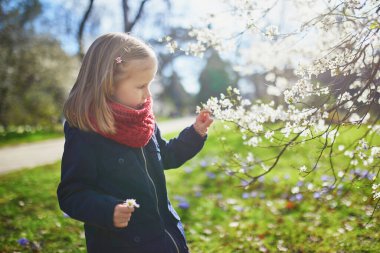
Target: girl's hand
point(202, 122)
point(122, 215)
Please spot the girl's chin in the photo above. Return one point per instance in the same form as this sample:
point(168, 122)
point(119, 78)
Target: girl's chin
point(134, 107)
point(137, 107)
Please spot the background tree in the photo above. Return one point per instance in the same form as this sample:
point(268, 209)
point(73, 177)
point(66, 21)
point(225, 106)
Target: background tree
point(82, 24)
point(33, 68)
point(215, 77)
point(128, 22)
point(176, 97)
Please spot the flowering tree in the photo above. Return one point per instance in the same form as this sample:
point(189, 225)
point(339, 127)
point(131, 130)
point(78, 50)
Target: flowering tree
point(334, 50)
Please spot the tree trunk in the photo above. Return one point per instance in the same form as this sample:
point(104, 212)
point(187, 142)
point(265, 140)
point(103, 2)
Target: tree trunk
point(128, 25)
point(81, 29)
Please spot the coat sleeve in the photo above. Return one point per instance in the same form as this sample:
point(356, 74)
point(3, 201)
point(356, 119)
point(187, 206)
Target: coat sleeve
point(177, 151)
point(76, 192)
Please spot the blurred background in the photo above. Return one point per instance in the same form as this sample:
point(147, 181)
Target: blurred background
point(42, 43)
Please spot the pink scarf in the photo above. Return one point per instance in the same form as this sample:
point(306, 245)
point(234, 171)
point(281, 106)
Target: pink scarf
point(134, 128)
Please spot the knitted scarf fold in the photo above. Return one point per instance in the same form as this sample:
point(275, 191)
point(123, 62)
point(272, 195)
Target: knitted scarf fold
point(134, 128)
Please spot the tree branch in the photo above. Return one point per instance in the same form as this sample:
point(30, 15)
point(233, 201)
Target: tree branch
point(128, 26)
point(81, 29)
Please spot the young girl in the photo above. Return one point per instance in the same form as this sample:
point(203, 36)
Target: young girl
point(114, 151)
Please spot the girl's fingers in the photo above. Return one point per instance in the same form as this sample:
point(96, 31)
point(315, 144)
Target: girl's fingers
point(205, 111)
point(123, 216)
point(203, 121)
point(122, 219)
point(203, 118)
point(122, 224)
point(206, 114)
point(209, 121)
point(206, 117)
point(126, 209)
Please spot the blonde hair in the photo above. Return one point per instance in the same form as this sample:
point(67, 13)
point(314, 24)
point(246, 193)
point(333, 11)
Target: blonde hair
point(100, 70)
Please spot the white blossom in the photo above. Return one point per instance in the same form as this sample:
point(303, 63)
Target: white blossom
point(295, 190)
point(303, 168)
point(375, 151)
point(270, 77)
point(271, 32)
point(345, 96)
point(131, 203)
point(309, 46)
point(269, 134)
point(376, 192)
point(348, 153)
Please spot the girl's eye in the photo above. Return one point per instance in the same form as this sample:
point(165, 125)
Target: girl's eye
point(143, 87)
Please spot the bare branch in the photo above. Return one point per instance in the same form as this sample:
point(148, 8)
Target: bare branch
point(128, 25)
point(81, 29)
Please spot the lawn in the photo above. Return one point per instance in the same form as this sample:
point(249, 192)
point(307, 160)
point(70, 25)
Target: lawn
point(27, 134)
point(280, 212)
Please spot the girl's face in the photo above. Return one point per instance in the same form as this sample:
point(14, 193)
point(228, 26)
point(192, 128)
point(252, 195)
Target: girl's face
point(134, 90)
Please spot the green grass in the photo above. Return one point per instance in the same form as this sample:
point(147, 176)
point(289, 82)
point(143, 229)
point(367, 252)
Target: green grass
point(29, 209)
point(12, 138)
point(219, 218)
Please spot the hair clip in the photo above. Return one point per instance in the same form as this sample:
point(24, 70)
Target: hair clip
point(118, 60)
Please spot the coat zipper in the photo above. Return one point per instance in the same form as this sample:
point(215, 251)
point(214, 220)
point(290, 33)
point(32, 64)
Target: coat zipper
point(155, 191)
point(172, 240)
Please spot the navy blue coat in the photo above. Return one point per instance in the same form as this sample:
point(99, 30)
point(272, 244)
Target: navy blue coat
point(98, 173)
